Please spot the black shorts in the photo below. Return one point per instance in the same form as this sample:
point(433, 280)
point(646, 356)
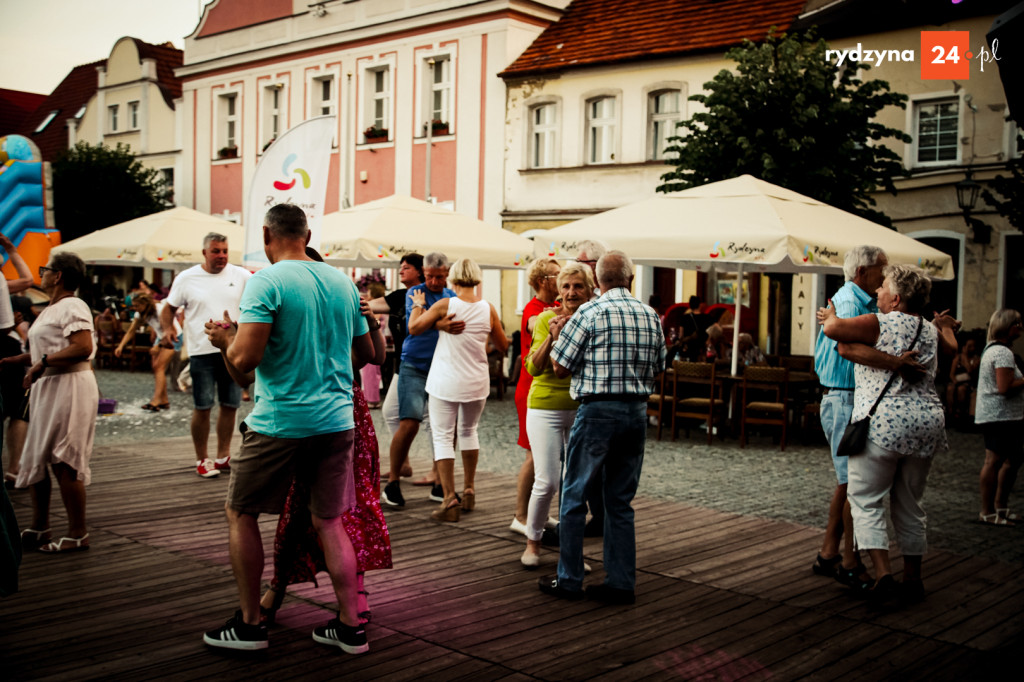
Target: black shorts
point(1006, 439)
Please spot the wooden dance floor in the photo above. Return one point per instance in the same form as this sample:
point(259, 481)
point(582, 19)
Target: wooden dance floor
point(720, 597)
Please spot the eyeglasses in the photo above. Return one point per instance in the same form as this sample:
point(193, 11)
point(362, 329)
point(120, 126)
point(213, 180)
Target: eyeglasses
point(43, 270)
point(550, 277)
point(587, 262)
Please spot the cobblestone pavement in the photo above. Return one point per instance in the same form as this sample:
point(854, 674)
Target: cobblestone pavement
point(758, 480)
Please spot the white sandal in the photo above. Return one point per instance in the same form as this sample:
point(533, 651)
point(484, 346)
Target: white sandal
point(994, 520)
point(1005, 513)
point(32, 538)
point(66, 544)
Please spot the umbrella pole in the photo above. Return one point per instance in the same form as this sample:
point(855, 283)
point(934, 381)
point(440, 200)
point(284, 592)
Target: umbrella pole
point(736, 322)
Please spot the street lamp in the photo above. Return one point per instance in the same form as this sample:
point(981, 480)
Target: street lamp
point(967, 191)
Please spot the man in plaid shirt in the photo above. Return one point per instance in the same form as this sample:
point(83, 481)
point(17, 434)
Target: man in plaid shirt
point(613, 347)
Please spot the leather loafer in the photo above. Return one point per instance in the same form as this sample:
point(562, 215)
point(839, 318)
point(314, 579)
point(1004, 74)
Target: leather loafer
point(610, 595)
point(549, 585)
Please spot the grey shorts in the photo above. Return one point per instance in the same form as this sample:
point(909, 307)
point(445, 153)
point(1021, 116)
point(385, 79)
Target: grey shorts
point(263, 470)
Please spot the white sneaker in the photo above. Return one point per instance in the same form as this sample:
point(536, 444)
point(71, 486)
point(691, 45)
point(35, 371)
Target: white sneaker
point(551, 523)
point(517, 526)
point(529, 559)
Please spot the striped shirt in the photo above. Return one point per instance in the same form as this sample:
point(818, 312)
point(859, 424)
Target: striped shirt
point(613, 345)
point(835, 371)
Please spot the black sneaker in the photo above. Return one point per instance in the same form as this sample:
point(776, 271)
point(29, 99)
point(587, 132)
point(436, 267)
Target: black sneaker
point(437, 493)
point(594, 528)
point(392, 494)
point(351, 639)
point(610, 595)
point(549, 585)
point(550, 537)
point(236, 634)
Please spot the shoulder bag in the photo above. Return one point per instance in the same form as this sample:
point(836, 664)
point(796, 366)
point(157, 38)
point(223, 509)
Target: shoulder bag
point(855, 438)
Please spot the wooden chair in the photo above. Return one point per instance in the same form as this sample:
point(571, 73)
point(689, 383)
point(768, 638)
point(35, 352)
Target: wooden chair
point(765, 399)
point(696, 395)
point(660, 400)
point(797, 363)
point(108, 334)
point(496, 367)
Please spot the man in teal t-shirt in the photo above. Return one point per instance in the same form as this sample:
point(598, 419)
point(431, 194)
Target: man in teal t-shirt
point(299, 329)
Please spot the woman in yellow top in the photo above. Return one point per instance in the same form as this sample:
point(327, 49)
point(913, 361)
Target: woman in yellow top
point(549, 409)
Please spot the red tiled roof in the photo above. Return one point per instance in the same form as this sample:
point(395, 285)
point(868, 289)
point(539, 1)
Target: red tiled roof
point(593, 32)
point(71, 95)
point(15, 106)
point(167, 59)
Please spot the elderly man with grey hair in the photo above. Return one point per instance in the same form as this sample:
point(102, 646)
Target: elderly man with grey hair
point(612, 347)
point(206, 291)
point(417, 354)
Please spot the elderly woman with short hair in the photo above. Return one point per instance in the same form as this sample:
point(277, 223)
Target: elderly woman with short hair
point(999, 412)
point(63, 405)
point(459, 380)
point(906, 431)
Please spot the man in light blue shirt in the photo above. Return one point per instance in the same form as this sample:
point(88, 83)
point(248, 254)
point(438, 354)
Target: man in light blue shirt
point(300, 328)
point(863, 270)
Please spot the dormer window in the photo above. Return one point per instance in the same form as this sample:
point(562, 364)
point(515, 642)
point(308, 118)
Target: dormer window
point(49, 119)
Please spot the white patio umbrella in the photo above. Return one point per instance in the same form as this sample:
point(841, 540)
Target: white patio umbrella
point(168, 239)
point(378, 233)
point(742, 225)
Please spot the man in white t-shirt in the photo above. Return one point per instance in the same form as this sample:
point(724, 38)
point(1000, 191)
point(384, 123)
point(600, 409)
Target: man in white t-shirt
point(206, 291)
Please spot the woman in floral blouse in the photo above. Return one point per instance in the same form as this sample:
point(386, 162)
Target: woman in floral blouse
point(907, 430)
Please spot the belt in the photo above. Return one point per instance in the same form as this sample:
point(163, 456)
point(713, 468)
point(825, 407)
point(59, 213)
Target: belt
point(825, 390)
point(614, 397)
point(77, 367)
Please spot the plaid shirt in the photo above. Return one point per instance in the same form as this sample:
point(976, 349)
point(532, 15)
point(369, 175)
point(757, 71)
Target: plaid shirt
point(612, 345)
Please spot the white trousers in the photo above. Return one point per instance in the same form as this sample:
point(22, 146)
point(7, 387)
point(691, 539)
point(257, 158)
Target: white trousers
point(444, 415)
point(548, 431)
point(878, 471)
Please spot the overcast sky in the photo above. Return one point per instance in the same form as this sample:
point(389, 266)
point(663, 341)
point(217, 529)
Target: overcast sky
point(42, 40)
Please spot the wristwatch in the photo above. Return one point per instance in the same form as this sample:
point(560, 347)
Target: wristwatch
point(45, 364)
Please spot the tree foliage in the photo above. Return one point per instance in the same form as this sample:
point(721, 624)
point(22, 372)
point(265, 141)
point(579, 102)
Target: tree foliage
point(95, 186)
point(1011, 189)
point(791, 117)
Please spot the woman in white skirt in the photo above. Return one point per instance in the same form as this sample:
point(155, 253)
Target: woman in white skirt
point(459, 380)
point(63, 406)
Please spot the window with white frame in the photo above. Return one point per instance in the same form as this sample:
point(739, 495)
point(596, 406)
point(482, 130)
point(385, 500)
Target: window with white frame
point(112, 111)
point(543, 135)
point(600, 129)
point(133, 115)
point(438, 70)
point(378, 98)
point(272, 100)
point(937, 126)
point(323, 96)
point(227, 124)
point(663, 113)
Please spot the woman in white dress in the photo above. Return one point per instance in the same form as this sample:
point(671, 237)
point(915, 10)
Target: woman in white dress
point(63, 405)
point(459, 380)
point(147, 313)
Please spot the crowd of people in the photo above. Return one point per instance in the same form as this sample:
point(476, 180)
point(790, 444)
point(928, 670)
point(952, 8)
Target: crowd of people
point(590, 354)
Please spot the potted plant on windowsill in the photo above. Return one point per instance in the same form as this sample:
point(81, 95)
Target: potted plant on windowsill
point(375, 134)
point(437, 127)
point(228, 152)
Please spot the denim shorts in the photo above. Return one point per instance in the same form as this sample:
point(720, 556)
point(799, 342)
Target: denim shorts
point(208, 372)
point(836, 410)
point(412, 392)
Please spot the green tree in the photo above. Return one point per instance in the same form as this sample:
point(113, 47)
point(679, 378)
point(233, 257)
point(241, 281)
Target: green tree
point(1011, 189)
point(791, 117)
point(95, 186)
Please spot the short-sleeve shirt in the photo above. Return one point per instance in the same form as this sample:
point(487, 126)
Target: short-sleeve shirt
point(206, 296)
point(612, 345)
point(55, 325)
point(909, 419)
point(6, 311)
point(304, 381)
point(547, 392)
point(418, 350)
point(834, 371)
point(991, 406)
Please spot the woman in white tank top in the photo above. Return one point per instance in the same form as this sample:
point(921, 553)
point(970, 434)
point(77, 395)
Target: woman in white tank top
point(459, 379)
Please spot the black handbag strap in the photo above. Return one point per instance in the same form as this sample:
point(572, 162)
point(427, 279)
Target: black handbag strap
point(920, 323)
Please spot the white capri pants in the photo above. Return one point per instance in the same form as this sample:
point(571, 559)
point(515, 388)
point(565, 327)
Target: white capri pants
point(444, 414)
point(548, 431)
point(878, 471)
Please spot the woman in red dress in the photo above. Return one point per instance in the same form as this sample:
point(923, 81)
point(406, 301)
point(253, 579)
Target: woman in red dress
point(542, 277)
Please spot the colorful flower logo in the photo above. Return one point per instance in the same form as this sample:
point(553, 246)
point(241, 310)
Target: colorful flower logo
point(808, 254)
point(716, 250)
point(382, 252)
point(285, 168)
point(551, 250)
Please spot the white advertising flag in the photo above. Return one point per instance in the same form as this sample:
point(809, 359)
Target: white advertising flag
point(293, 170)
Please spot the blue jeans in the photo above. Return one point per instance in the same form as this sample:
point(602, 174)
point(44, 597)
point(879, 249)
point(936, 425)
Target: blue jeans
point(836, 410)
point(209, 377)
point(606, 443)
